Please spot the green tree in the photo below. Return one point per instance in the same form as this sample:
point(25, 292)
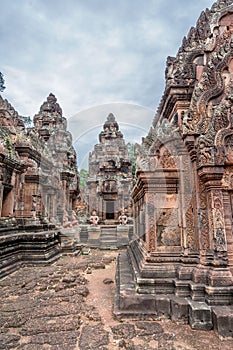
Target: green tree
point(27, 121)
point(132, 157)
point(2, 87)
point(83, 174)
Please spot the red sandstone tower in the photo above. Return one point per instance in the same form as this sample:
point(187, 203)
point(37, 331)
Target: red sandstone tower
point(110, 174)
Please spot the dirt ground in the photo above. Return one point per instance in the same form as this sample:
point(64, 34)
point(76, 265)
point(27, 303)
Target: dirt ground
point(69, 304)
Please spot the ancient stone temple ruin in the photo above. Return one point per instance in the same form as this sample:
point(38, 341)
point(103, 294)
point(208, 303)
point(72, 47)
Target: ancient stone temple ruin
point(109, 185)
point(38, 184)
point(110, 175)
point(181, 265)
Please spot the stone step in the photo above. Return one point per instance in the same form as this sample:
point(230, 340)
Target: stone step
point(108, 236)
point(108, 242)
point(107, 232)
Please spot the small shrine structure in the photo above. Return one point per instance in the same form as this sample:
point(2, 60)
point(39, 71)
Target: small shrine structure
point(110, 179)
point(108, 192)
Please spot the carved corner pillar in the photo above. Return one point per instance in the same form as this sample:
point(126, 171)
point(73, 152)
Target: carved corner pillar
point(212, 180)
point(138, 197)
point(156, 195)
point(228, 211)
point(214, 256)
point(150, 223)
point(138, 208)
point(188, 210)
point(194, 212)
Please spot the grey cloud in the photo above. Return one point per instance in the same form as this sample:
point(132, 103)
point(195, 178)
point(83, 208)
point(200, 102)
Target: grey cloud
point(90, 52)
point(87, 124)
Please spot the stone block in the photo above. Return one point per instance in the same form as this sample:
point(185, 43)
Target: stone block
point(220, 277)
point(197, 291)
point(68, 240)
point(83, 235)
point(162, 305)
point(223, 321)
point(94, 235)
point(200, 274)
point(182, 288)
point(131, 301)
point(200, 315)
point(122, 235)
point(219, 295)
point(179, 310)
point(185, 272)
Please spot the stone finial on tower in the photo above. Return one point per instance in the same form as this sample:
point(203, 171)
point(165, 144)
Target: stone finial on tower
point(111, 123)
point(49, 117)
point(111, 130)
point(51, 105)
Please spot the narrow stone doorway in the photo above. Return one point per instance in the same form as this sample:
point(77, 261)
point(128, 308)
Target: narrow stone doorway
point(110, 210)
point(7, 202)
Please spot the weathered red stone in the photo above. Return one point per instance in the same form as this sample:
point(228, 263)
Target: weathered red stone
point(183, 197)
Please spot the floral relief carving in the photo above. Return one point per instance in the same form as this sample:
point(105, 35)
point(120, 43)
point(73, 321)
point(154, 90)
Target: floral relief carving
point(167, 160)
point(189, 215)
point(229, 149)
point(227, 180)
point(204, 224)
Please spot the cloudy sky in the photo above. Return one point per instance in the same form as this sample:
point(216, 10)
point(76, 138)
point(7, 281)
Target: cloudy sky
point(96, 56)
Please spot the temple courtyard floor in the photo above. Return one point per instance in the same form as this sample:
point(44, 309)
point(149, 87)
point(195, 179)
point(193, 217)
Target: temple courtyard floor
point(68, 305)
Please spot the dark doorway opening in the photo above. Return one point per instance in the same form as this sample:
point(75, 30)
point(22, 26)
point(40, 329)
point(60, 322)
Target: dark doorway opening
point(110, 210)
point(7, 201)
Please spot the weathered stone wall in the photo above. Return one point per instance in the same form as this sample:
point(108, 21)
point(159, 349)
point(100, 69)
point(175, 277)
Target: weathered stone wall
point(38, 184)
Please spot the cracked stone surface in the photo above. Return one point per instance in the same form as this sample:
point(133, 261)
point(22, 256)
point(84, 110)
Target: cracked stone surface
point(63, 306)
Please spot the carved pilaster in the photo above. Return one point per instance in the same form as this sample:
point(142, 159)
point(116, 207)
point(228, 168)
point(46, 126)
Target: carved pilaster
point(189, 141)
point(150, 222)
point(217, 211)
point(203, 217)
point(213, 183)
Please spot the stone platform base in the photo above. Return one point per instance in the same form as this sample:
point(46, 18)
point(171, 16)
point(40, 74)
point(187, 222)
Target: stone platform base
point(130, 303)
point(21, 247)
point(106, 236)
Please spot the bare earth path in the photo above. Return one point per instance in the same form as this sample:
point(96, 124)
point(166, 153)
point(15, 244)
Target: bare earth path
point(68, 306)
